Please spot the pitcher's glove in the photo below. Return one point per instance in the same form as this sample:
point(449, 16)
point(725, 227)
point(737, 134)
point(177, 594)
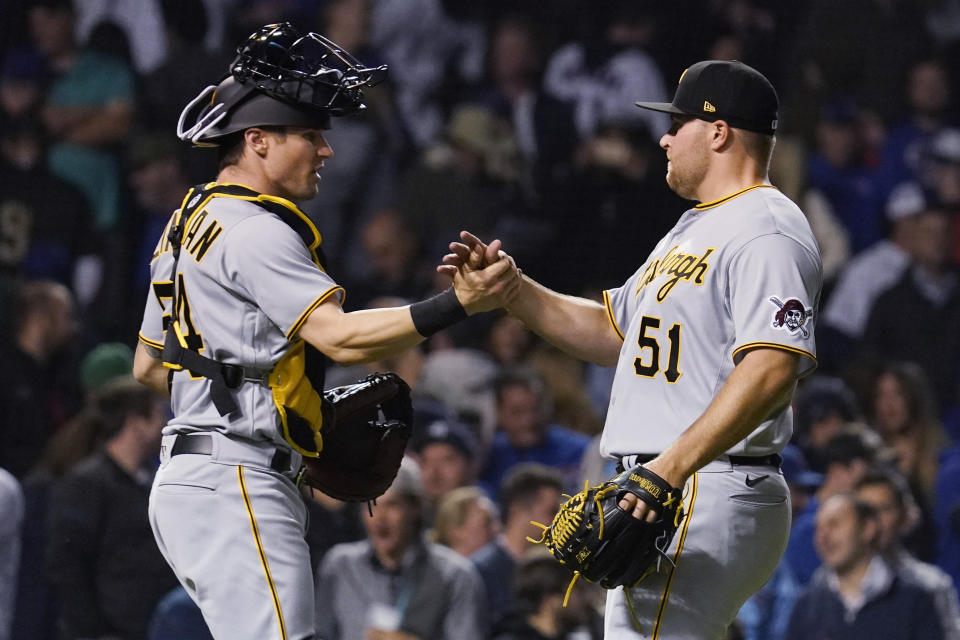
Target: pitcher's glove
point(601, 542)
point(372, 421)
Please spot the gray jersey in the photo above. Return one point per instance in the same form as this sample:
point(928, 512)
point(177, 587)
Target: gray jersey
point(733, 274)
point(247, 283)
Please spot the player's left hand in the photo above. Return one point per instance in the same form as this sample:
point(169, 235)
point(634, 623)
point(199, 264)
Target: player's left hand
point(641, 510)
point(465, 254)
point(485, 288)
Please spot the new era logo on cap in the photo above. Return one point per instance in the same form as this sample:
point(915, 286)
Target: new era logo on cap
point(724, 90)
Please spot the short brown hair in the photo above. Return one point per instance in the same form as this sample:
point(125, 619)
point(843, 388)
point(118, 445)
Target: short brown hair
point(758, 146)
point(118, 400)
point(229, 150)
point(231, 146)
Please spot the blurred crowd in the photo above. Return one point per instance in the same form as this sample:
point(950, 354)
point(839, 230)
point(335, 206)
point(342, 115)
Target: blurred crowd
point(514, 120)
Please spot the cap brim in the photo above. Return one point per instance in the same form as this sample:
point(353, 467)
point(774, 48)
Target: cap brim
point(665, 107)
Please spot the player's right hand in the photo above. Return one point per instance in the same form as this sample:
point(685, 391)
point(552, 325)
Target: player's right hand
point(465, 254)
point(487, 288)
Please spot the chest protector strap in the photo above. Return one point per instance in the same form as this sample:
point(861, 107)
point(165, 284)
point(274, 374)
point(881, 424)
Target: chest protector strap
point(294, 380)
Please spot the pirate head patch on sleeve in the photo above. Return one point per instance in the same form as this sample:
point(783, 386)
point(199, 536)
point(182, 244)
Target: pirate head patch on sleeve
point(791, 316)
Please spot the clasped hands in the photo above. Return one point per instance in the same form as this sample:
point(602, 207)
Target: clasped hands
point(484, 276)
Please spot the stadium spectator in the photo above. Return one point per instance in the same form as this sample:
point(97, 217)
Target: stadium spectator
point(849, 455)
point(617, 172)
point(856, 595)
point(525, 434)
point(448, 456)
point(942, 175)
point(362, 181)
point(903, 411)
point(822, 405)
point(542, 125)
point(839, 171)
point(473, 171)
point(928, 111)
point(37, 389)
point(394, 582)
point(89, 107)
point(329, 522)
point(602, 73)
point(869, 274)
point(106, 568)
point(897, 517)
point(21, 83)
point(185, 70)
point(157, 177)
point(916, 319)
point(832, 57)
point(540, 609)
point(140, 22)
point(428, 51)
point(466, 521)
point(390, 250)
point(462, 379)
point(47, 230)
point(509, 341)
point(530, 493)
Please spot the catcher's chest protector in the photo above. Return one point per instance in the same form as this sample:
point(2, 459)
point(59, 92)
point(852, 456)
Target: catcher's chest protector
point(295, 379)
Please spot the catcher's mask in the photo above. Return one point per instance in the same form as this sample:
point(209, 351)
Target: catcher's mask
point(279, 78)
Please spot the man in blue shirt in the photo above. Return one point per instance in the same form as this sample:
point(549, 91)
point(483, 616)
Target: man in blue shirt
point(524, 434)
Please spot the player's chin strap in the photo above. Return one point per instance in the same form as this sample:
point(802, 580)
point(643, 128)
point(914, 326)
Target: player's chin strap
point(177, 354)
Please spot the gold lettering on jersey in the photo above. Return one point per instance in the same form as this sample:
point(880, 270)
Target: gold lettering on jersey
point(197, 243)
point(195, 221)
point(676, 266)
point(204, 240)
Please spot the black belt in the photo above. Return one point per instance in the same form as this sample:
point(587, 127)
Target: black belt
point(773, 460)
point(203, 444)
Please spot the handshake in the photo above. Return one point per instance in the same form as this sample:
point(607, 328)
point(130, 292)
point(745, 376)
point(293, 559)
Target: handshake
point(484, 276)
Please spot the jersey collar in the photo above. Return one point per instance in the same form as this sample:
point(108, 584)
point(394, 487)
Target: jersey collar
point(281, 207)
point(710, 205)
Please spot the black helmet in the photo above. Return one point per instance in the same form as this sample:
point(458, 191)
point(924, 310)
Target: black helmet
point(280, 78)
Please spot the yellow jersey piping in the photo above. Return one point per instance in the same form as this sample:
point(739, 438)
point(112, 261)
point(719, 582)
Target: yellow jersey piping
point(708, 205)
point(774, 345)
point(676, 561)
point(316, 303)
point(268, 198)
point(613, 321)
point(150, 343)
point(263, 555)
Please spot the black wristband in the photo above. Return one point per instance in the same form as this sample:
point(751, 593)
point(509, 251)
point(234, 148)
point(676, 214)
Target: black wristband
point(436, 313)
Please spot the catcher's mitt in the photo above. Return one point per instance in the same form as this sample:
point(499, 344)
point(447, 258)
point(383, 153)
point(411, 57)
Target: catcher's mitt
point(598, 540)
point(372, 421)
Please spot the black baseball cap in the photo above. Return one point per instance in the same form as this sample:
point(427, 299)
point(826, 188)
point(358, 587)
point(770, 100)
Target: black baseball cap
point(450, 432)
point(724, 90)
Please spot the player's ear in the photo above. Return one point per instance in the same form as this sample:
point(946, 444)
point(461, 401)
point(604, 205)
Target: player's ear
point(256, 139)
point(720, 135)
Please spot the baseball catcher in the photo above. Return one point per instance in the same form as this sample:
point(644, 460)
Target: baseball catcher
point(239, 321)
point(598, 540)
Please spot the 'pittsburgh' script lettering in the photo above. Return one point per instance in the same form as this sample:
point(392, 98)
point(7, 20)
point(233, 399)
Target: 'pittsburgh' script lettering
point(677, 266)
